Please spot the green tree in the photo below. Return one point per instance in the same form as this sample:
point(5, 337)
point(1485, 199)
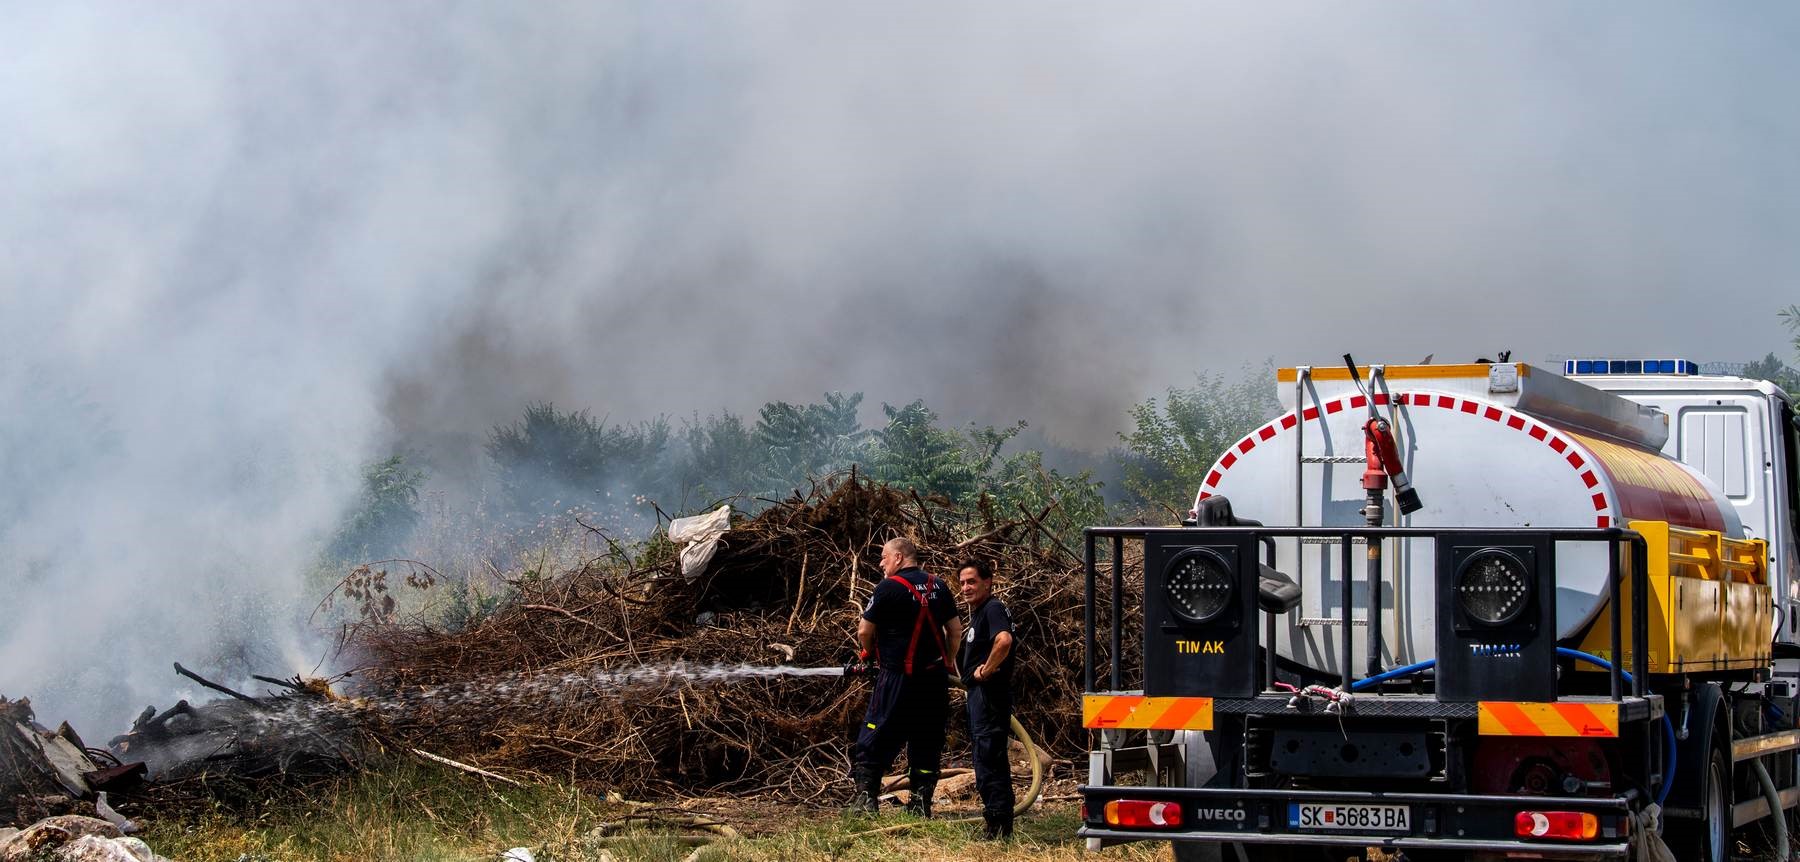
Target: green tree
point(1775, 371)
point(1771, 367)
point(385, 514)
point(912, 452)
point(721, 459)
point(1173, 443)
point(1020, 483)
point(798, 441)
point(971, 468)
point(551, 459)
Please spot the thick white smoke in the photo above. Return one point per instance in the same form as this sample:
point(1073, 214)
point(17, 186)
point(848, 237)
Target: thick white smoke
point(248, 247)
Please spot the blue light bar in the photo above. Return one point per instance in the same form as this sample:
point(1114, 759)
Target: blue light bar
point(1630, 366)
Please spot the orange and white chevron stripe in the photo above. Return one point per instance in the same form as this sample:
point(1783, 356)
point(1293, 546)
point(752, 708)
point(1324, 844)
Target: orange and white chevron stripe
point(1505, 718)
point(1136, 712)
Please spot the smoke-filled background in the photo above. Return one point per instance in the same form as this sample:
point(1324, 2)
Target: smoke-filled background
point(247, 248)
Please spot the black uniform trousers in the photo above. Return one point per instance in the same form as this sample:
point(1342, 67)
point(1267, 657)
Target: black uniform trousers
point(905, 711)
point(990, 726)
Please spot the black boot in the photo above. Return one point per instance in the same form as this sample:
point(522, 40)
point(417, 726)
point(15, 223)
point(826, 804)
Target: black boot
point(922, 791)
point(996, 826)
point(866, 797)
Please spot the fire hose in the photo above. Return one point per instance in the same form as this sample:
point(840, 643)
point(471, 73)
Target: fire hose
point(1019, 732)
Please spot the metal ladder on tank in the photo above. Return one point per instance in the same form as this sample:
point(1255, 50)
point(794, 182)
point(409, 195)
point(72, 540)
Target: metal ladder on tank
point(1302, 380)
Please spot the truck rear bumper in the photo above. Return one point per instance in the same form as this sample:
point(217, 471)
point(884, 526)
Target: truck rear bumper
point(1433, 821)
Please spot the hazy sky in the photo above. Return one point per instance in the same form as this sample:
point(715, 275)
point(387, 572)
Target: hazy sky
point(246, 247)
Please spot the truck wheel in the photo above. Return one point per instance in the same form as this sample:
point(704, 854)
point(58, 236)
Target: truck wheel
point(1709, 839)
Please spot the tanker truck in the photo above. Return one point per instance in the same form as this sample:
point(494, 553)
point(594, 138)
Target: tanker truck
point(1482, 611)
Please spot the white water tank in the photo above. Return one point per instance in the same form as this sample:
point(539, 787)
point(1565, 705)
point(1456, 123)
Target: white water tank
point(1501, 445)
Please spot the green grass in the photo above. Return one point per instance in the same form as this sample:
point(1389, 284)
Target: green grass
point(405, 810)
point(1041, 835)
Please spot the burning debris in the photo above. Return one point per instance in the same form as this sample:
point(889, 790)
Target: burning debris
point(616, 672)
point(301, 732)
point(623, 673)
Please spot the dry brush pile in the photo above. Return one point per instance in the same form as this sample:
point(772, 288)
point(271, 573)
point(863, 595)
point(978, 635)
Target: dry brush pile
point(550, 684)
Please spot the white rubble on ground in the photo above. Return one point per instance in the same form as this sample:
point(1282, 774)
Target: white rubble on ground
point(104, 808)
point(52, 760)
point(69, 838)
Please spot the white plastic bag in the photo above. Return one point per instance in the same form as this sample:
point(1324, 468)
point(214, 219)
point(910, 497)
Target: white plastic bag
point(701, 533)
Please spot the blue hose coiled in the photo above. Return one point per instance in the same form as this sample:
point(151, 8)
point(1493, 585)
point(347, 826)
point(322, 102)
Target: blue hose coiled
point(1662, 794)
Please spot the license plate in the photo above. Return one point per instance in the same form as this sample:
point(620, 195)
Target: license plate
point(1357, 818)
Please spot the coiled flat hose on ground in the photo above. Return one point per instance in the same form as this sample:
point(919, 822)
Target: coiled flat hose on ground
point(1031, 754)
point(1031, 794)
point(1037, 767)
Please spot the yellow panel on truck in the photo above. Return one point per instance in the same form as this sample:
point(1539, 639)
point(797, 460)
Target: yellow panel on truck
point(1710, 605)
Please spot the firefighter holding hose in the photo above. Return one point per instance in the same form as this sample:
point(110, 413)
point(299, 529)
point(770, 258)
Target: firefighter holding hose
point(909, 619)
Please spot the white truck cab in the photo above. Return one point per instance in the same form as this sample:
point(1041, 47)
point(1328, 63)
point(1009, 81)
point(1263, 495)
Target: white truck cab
point(1741, 433)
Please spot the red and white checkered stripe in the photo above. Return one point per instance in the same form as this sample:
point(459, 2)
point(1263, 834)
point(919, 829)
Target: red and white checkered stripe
point(1570, 451)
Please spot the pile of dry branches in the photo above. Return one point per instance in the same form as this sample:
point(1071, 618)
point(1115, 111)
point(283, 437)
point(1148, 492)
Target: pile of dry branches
point(547, 684)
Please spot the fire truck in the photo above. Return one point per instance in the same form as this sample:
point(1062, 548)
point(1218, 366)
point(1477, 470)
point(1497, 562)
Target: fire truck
point(1482, 611)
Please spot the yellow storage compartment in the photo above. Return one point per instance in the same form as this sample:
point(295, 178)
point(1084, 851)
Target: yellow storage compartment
point(1710, 606)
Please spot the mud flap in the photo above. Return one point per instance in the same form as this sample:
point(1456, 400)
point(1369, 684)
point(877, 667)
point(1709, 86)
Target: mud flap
point(1200, 767)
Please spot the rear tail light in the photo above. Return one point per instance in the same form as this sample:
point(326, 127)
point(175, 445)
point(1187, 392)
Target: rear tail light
point(1568, 825)
point(1137, 813)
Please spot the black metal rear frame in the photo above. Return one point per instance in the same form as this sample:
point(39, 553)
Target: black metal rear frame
point(1445, 821)
point(1615, 536)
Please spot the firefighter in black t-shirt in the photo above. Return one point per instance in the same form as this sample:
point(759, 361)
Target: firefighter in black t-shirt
point(987, 661)
point(909, 619)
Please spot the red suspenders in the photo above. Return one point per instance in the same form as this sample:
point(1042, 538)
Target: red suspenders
point(923, 597)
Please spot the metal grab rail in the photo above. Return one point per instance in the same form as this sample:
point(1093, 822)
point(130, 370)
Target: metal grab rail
point(1614, 536)
point(1718, 551)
